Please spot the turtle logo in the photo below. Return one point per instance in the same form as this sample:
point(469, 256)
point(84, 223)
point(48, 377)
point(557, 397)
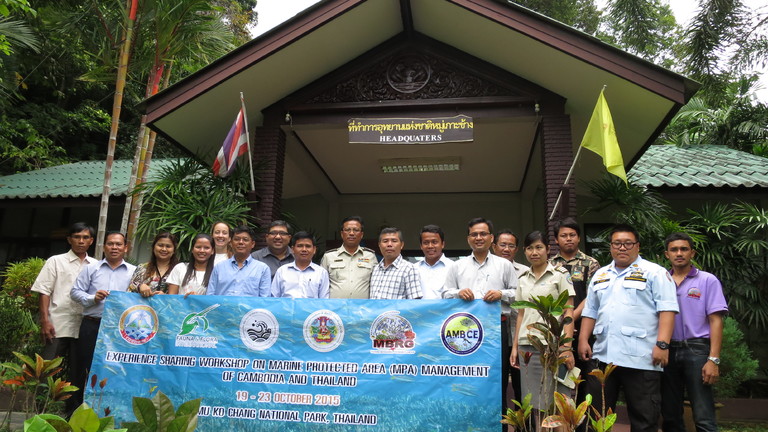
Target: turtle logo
point(196, 319)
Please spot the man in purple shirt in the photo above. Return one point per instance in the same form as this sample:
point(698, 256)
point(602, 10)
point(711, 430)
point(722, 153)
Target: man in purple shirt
point(694, 352)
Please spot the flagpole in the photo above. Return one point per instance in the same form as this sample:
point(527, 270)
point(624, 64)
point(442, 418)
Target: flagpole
point(570, 172)
point(247, 141)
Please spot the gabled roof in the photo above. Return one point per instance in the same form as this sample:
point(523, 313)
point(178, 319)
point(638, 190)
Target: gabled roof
point(699, 166)
point(75, 180)
point(335, 35)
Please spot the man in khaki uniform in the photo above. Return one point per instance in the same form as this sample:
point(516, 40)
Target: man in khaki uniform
point(350, 266)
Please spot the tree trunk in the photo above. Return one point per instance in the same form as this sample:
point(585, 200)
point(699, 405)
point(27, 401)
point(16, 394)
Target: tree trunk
point(117, 104)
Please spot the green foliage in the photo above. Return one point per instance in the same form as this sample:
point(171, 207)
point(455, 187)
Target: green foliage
point(84, 419)
point(645, 28)
point(18, 331)
point(186, 199)
point(19, 277)
point(519, 418)
point(158, 415)
point(582, 14)
point(737, 364)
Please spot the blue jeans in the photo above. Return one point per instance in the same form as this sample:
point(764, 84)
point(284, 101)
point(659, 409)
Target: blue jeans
point(683, 374)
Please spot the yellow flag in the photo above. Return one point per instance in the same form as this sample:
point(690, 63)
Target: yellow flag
point(600, 137)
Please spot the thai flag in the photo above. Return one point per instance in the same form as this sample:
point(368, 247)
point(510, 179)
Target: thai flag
point(234, 146)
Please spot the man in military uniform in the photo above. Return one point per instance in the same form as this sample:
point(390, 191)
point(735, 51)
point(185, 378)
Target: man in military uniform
point(581, 267)
point(350, 266)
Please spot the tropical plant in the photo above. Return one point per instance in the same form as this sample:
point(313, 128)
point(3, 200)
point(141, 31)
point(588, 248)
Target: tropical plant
point(737, 364)
point(158, 415)
point(84, 419)
point(519, 418)
point(35, 377)
point(18, 279)
point(19, 331)
point(186, 199)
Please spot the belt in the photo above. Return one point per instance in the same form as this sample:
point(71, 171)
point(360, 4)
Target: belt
point(92, 318)
point(687, 342)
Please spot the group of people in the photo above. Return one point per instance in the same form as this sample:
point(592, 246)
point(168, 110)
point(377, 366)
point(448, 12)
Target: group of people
point(631, 313)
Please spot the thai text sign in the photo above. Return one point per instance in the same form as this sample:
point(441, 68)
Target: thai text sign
point(310, 364)
point(411, 131)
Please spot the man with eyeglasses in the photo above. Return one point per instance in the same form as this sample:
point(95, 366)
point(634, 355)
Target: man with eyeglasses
point(277, 253)
point(241, 275)
point(630, 308)
point(350, 266)
point(485, 276)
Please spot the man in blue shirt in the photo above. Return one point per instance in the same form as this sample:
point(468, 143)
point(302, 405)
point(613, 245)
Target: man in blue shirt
point(241, 275)
point(630, 308)
point(91, 288)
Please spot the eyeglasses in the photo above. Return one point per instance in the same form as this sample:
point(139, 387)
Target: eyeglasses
point(479, 234)
point(507, 245)
point(352, 230)
point(278, 234)
point(627, 245)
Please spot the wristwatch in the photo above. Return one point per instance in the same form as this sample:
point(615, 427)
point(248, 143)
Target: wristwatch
point(715, 360)
point(663, 345)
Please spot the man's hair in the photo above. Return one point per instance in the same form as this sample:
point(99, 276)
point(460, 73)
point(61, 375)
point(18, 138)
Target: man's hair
point(535, 236)
point(623, 228)
point(678, 236)
point(301, 235)
point(244, 229)
point(480, 220)
point(391, 230)
point(81, 226)
point(506, 231)
point(280, 222)
point(110, 233)
point(353, 218)
point(568, 222)
point(434, 229)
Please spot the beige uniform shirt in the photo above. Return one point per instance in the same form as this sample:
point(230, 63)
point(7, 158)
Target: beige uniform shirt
point(350, 275)
point(56, 280)
point(552, 282)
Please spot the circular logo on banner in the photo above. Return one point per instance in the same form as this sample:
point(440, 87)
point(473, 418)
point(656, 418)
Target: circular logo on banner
point(323, 330)
point(259, 329)
point(462, 333)
point(392, 334)
point(138, 324)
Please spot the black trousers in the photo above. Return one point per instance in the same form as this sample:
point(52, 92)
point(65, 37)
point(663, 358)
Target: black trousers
point(82, 358)
point(642, 390)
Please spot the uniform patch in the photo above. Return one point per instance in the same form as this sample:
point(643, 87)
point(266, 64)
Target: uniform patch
point(694, 293)
point(577, 275)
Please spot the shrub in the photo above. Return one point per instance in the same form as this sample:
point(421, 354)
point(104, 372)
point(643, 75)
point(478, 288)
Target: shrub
point(18, 279)
point(737, 362)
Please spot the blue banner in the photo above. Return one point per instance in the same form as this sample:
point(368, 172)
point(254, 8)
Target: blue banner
point(273, 364)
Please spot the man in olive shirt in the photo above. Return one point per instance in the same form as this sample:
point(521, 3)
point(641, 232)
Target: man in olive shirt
point(350, 266)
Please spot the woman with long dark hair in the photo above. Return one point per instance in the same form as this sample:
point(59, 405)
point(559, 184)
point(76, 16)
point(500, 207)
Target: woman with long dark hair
point(192, 278)
point(150, 277)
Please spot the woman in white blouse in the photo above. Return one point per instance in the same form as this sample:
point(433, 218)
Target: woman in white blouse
point(192, 278)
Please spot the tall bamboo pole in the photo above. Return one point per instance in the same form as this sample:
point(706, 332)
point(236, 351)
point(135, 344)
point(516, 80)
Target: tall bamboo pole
point(117, 104)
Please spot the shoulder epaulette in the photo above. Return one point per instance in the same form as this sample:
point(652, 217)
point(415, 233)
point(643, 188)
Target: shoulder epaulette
point(331, 250)
point(561, 269)
point(369, 250)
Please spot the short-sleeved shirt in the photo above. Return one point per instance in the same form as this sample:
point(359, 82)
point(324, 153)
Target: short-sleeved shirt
point(625, 305)
point(582, 267)
point(699, 295)
point(399, 280)
point(252, 279)
point(552, 282)
point(350, 274)
point(291, 281)
point(433, 276)
point(99, 276)
point(495, 273)
point(55, 280)
point(195, 283)
point(272, 261)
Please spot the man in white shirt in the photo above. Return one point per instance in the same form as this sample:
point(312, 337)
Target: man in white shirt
point(59, 316)
point(434, 267)
point(301, 278)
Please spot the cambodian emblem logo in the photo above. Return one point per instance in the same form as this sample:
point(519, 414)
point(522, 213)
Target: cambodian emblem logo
point(138, 324)
point(462, 333)
point(391, 333)
point(323, 330)
point(259, 329)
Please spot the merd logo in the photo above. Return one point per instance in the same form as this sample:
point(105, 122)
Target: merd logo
point(391, 333)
